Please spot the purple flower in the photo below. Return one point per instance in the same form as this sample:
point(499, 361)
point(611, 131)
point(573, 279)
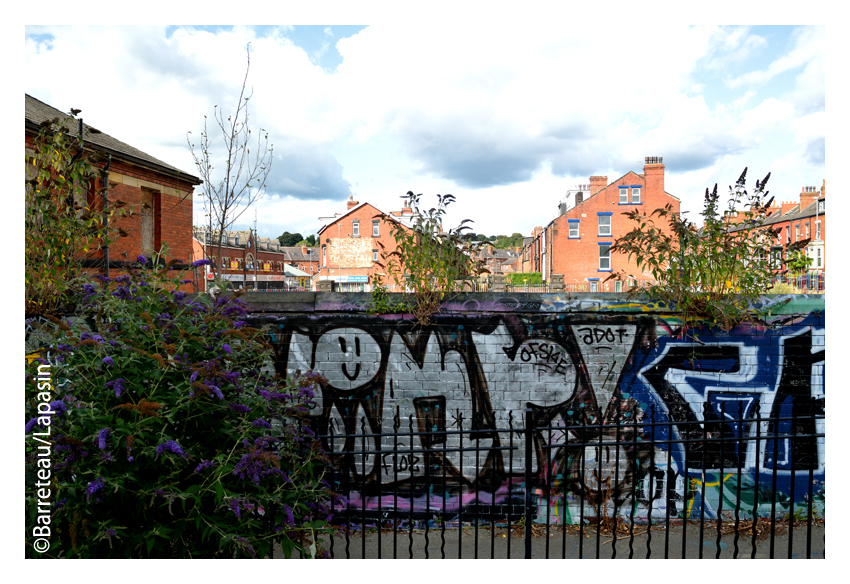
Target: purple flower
point(101, 438)
point(194, 377)
point(240, 408)
point(108, 361)
point(59, 406)
point(94, 487)
point(205, 464)
point(261, 423)
point(117, 385)
point(199, 263)
point(290, 519)
point(172, 447)
point(30, 425)
point(216, 392)
point(234, 506)
point(226, 348)
point(239, 324)
point(142, 259)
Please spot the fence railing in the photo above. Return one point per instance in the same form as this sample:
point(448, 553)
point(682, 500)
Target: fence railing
point(807, 283)
point(730, 483)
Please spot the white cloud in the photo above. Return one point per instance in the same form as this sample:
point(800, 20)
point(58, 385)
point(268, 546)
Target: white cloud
point(808, 45)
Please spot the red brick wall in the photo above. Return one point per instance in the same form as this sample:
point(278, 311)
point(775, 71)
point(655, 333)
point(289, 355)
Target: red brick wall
point(350, 266)
point(578, 259)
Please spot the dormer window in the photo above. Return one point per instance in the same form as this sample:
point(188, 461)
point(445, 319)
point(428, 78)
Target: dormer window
point(237, 240)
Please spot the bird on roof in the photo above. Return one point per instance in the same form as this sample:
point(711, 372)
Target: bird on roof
point(75, 112)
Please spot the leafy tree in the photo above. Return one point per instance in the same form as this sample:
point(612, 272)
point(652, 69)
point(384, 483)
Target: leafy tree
point(714, 274)
point(289, 239)
point(799, 261)
point(427, 261)
point(171, 438)
point(64, 217)
point(226, 196)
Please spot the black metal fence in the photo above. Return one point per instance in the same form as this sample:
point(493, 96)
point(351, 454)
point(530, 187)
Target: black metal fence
point(661, 484)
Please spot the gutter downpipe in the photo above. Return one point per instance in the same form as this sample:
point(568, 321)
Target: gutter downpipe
point(106, 209)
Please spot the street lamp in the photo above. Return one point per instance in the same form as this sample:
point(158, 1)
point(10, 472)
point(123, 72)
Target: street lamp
point(338, 242)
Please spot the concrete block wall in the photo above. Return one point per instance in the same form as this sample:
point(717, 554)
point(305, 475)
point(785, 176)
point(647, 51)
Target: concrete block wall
point(575, 360)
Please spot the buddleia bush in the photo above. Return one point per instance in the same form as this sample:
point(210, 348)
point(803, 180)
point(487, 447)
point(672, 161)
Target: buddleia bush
point(171, 434)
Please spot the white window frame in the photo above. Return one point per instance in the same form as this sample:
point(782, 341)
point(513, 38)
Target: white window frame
point(819, 258)
point(376, 230)
point(606, 257)
point(576, 224)
point(636, 196)
point(324, 256)
point(807, 231)
point(374, 255)
point(797, 232)
point(600, 232)
point(594, 285)
point(355, 228)
point(618, 286)
point(817, 230)
point(624, 196)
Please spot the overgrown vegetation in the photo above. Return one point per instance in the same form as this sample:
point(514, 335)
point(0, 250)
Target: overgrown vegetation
point(64, 217)
point(520, 279)
point(427, 263)
point(710, 275)
point(171, 435)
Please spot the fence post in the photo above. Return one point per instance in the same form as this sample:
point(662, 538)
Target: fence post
point(527, 517)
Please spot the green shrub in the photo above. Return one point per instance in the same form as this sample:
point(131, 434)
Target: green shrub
point(532, 279)
point(172, 437)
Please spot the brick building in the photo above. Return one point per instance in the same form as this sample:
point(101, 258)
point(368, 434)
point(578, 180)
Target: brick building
point(577, 242)
point(801, 225)
point(247, 260)
point(160, 194)
point(349, 250)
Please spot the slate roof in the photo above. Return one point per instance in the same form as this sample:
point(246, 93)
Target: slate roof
point(36, 111)
point(794, 214)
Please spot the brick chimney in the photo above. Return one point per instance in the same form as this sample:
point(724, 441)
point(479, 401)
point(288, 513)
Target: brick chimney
point(823, 189)
point(808, 196)
point(405, 208)
point(787, 206)
point(352, 203)
point(597, 183)
point(304, 250)
point(653, 173)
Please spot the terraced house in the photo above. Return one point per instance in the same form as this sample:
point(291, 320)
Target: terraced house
point(578, 241)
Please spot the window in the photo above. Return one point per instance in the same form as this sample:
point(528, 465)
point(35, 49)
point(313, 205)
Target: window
point(604, 224)
point(574, 224)
point(817, 229)
point(636, 195)
point(147, 220)
point(605, 256)
point(624, 196)
point(807, 230)
point(324, 255)
point(819, 259)
point(776, 259)
point(797, 232)
point(374, 255)
point(355, 228)
point(375, 229)
point(822, 206)
point(594, 286)
point(788, 234)
point(618, 286)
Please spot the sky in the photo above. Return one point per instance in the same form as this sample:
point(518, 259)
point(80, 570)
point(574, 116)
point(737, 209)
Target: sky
point(507, 117)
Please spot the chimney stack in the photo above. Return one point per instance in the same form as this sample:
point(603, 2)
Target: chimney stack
point(808, 196)
point(653, 173)
point(405, 208)
point(597, 183)
point(304, 250)
point(352, 203)
point(787, 206)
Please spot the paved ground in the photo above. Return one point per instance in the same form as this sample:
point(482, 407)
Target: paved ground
point(658, 543)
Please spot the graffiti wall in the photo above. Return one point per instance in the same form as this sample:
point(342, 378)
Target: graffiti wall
point(623, 393)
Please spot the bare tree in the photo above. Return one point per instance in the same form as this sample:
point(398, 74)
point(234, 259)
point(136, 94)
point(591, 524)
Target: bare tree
point(244, 178)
